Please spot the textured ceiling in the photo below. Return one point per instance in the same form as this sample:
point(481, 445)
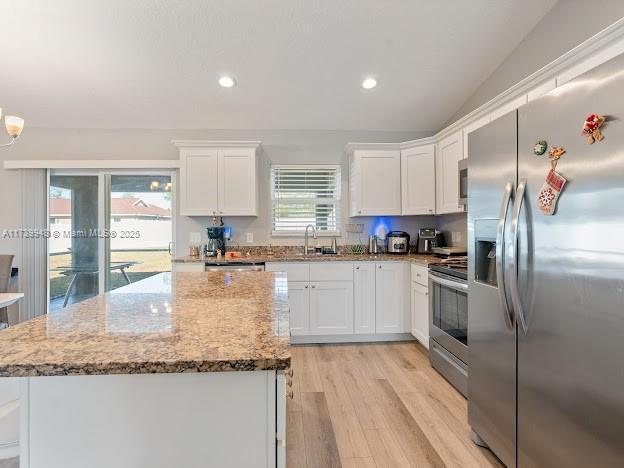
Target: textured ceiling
point(298, 63)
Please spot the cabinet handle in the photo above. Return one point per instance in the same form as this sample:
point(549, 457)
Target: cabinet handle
point(289, 383)
point(313, 287)
point(426, 294)
point(290, 394)
point(306, 286)
point(290, 373)
point(359, 211)
point(379, 267)
point(357, 268)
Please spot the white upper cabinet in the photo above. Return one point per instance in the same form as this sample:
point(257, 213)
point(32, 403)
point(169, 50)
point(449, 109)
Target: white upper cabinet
point(418, 180)
point(375, 182)
point(509, 106)
point(237, 182)
point(544, 88)
point(218, 178)
point(468, 129)
point(450, 152)
point(198, 187)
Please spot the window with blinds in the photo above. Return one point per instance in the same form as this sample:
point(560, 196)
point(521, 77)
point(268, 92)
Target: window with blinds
point(303, 195)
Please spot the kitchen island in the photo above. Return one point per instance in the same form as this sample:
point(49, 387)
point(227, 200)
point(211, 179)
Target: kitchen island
point(180, 369)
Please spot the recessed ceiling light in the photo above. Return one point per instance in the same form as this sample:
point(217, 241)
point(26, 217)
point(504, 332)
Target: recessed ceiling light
point(227, 82)
point(369, 83)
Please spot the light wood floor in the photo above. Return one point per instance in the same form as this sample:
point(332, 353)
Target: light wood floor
point(376, 405)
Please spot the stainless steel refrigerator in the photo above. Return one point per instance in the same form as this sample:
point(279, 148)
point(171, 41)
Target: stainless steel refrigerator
point(546, 304)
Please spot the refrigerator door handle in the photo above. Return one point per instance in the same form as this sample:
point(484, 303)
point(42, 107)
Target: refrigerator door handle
point(500, 253)
point(513, 264)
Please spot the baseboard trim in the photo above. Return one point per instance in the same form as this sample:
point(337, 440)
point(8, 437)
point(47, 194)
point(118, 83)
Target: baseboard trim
point(320, 339)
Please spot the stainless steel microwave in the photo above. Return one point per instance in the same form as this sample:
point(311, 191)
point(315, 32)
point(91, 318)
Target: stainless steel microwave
point(462, 171)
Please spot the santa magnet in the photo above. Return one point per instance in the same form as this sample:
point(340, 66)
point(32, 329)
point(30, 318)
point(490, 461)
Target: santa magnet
point(591, 128)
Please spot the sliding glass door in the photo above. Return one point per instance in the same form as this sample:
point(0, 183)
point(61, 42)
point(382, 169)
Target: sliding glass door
point(107, 230)
point(73, 245)
point(140, 224)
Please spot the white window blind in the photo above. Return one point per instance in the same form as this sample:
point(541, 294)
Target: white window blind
point(303, 195)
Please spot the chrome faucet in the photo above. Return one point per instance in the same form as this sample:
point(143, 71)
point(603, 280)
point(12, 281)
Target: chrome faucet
point(305, 248)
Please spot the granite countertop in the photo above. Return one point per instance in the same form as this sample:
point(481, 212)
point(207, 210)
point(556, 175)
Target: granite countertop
point(170, 322)
point(290, 257)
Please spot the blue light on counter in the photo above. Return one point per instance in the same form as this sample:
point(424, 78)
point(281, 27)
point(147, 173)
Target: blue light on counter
point(381, 226)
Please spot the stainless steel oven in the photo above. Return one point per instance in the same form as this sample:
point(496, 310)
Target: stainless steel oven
point(448, 324)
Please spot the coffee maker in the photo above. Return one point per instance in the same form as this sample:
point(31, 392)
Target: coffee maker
point(216, 241)
point(428, 238)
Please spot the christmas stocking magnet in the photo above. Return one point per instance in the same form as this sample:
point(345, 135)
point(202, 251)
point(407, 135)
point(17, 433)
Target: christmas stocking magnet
point(549, 194)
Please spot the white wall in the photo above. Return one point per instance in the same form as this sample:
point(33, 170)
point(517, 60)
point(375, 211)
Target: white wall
point(283, 147)
point(569, 23)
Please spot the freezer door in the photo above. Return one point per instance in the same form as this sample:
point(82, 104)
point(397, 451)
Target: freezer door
point(491, 330)
point(571, 281)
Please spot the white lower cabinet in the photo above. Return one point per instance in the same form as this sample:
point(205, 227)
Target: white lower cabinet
point(420, 313)
point(331, 308)
point(364, 298)
point(336, 299)
point(391, 306)
point(299, 304)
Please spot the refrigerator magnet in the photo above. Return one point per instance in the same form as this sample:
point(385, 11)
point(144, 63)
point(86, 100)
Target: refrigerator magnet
point(549, 194)
point(540, 148)
point(591, 128)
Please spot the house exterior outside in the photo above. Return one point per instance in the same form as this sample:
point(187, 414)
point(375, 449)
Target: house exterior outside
point(135, 225)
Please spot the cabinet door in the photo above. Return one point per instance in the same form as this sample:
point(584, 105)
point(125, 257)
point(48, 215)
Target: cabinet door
point(468, 129)
point(299, 304)
point(237, 182)
point(198, 186)
point(392, 314)
point(420, 313)
point(331, 308)
point(418, 180)
point(364, 298)
point(510, 106)
point(376, 183)
point(450, 152)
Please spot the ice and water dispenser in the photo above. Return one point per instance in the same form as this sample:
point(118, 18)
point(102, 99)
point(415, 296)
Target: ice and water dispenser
point(485, 251)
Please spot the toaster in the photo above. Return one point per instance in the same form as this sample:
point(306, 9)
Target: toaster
point(397, 242)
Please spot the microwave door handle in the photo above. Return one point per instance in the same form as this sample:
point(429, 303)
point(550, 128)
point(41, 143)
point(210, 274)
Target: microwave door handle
point(513, 264)
point(449, 283)
point(500, 254)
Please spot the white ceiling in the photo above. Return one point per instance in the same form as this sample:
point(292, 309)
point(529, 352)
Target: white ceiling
point(298, 63)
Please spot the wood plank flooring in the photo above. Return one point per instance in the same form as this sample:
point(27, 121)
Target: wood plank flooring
point(376, 405)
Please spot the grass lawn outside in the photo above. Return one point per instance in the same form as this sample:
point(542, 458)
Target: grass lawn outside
point(151, 262)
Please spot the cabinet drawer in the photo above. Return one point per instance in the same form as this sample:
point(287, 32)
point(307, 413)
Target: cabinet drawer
point(420, 275)
point(294, 271)
point(331, 271)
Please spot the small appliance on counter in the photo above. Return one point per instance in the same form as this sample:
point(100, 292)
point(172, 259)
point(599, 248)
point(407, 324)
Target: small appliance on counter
point(216, 241)
point(373, 245)
point(398, 242)
point(428, 239)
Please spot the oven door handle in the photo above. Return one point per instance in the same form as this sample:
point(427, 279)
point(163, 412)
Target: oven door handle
point(500, 255)
point(449, 283)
